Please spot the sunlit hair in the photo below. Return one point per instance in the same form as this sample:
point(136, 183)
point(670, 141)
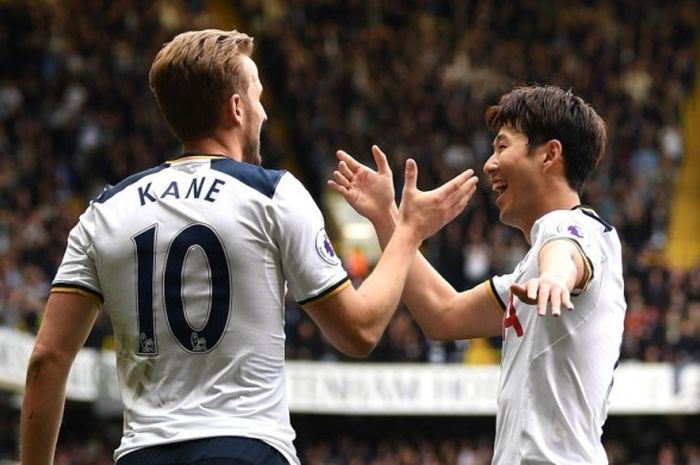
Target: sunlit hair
point(194, 74)
point(544, 113)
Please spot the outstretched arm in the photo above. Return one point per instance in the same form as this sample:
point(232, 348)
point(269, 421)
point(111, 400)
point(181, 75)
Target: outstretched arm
point(442, 312)
point(562, 270)
point(66, 325)
point(353, 320)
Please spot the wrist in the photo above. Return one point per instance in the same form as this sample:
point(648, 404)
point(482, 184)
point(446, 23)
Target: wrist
point(387, 219)
point(407, 235)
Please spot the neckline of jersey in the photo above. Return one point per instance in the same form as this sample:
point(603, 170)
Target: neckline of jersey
point(187, 156)
point(584, 208)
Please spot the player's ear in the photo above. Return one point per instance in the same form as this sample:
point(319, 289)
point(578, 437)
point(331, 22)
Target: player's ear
point(234, 110)
point(553, 153)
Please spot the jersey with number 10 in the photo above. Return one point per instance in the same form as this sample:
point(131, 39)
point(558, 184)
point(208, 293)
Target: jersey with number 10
point(192, 259)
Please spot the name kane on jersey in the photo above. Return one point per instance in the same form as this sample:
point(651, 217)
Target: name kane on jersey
point(194, 190)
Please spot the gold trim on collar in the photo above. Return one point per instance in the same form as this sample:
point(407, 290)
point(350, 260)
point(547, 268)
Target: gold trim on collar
point(194, 158)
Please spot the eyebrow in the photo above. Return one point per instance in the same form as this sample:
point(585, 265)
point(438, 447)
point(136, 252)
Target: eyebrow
point(499, 138)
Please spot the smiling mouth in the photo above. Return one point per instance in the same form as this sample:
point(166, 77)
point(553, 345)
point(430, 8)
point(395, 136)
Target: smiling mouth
point(500, 187)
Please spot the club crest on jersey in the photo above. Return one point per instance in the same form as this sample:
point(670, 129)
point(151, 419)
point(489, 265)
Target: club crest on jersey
point(325, 248)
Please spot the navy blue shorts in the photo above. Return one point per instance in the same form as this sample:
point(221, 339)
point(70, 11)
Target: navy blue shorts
point(209, 451)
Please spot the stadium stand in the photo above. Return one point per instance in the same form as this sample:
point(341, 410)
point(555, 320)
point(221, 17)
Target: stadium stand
point(414, 77)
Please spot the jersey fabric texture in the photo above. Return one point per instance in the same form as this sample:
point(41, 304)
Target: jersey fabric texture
point(557, 372)
point(192, 259)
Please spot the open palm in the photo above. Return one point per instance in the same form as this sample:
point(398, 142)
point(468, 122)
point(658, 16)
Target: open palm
point(369, 192)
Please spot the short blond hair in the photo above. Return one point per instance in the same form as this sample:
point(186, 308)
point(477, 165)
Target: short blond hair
point(194, 74)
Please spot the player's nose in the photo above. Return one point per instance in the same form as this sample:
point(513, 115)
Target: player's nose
point(491, 165)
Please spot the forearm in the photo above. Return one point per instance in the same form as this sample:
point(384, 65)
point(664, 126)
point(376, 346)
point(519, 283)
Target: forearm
point(65, 327)
point(557, 261)
point(426, 293)
point(381, 292)
point(42, 410)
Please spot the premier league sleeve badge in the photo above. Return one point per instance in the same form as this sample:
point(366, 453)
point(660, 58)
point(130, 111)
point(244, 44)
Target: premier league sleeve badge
point(324, 248)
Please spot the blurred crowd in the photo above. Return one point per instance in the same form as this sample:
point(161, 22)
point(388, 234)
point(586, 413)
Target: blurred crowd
point(414, 77)
point(76, 114)
point(352, 440)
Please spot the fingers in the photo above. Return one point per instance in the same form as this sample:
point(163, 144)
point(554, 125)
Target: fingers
point(341, 177)
point(543, 294)
point(342, 190)
point(458, 191)
point(380, 160)
point(345, 170)
point(465, 191)
point(566, 302)
point(459, 199)
point(454, 184)
point(559, 298)
point(447, 201)
point(520, 292)
point(410, 175)
point(531, 289)
point(342, 181)
point(352, 164)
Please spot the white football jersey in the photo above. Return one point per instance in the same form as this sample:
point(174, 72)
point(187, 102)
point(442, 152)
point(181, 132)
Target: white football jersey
point(557, 372)
point(192, 259)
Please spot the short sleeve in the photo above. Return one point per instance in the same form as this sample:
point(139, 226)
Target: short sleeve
point(582, 232)
point(499, 288)
point(78, 271)
point(311, 266)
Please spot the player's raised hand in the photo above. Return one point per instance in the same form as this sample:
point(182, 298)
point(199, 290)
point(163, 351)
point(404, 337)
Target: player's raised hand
point(427, 212)
point(369, 192)
point(544, 292)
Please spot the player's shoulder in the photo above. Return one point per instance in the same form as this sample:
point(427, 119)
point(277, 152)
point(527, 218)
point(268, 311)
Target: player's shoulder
point(263, 180)
point(593, 217)
point(575, 223)
point(580, 216)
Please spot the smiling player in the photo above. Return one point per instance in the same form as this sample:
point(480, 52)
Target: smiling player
point(556, 373)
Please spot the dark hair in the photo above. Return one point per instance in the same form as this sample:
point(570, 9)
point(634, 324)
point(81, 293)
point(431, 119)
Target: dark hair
point(548, 112)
